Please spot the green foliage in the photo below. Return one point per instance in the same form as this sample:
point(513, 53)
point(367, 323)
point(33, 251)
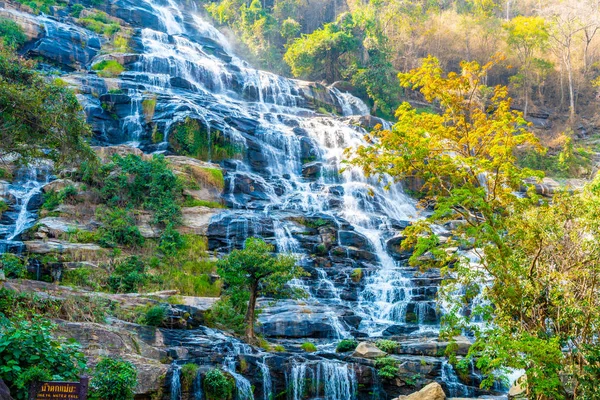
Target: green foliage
point(149, 106)
point(76, 10)
point(108, 68)
point(255, 271)
point(189, 372)
point(38, 6)
point(226, 315)
point(191, 202)
point(100, 23)
point(11, 34)
point(346, 345)
point(387, 367)
point(155, 315)
point(52, 199)
point(320, 54)
point(94, 278)
point(566, 163)
point(217, 386)
point(308, 347)
point(130, 275)
point(170, 241)
point(192, 138)
point(389, 346)
point(44, 118)
point(356, 275)
point(118, 228)
point(13, 266)
point(3, 207)
point(113, 379)
point(29, 350)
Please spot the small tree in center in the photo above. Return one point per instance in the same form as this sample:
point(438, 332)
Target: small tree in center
point(256, 271)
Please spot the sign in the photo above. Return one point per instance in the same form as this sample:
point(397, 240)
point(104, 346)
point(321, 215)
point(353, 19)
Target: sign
point(59, 390)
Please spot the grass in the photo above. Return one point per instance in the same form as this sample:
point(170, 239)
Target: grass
point(308, 347)
point(108, 68)
point(191, 202)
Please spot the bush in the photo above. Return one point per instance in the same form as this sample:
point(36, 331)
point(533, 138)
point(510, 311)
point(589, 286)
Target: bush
point(155, 316)
point(129, 276)
point(389, 346)
point(224, 315)
point(387, 367)
point(188, 374)
point(76, 10)
point(217, 386)
point(171, 241)
point(113, 379)
point(11, 34)
point(308, 347)
point(118, 228)
point(346, 345)
point(13, 266)
point(100, 23)
point(279, 348)
point(108, 68)
point(53, 199)
point(191, 202)
point(29, 350)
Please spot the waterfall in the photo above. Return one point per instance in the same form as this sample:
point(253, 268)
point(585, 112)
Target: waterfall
point(453, 385)
point(329, 380)
point(23, 192)
point(267, 381)
point(176, 383)
point(197, 387)
point(242, 385)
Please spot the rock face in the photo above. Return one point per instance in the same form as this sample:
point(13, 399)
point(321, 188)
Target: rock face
point(433, 391)
point(368, 350)
point(4, 392)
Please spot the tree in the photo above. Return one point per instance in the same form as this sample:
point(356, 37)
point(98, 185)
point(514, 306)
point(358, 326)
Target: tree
point(30, 352)
point(39, 118)
point(532, 264)
point(254, 271)
point(325, 53)
point(526, 35)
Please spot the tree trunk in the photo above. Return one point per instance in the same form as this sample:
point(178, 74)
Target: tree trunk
point(567, 60)
point(250, 314)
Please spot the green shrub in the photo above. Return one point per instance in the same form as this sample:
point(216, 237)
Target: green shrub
point(29, 350)
point(100, 23)
point(149, 106)
point(118, 228)
point(217, 386)
point(224, 315)
point(11, 34)
point(38, 6)
point(171, 241)
point(357, 274)
point(13, 266)
point(113, 379)
point(155, 315)
point(389, 346)
point(308, 347)
point(129, 276)
point(76, 10)
point(108, 68)
point(191, 202)
point(188, 374)
point(192, 138)
point(279, 348)
point(53, 199)
point(346, 345)
point(387, 367)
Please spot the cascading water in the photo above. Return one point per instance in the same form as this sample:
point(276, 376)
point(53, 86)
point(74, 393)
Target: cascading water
point(176, 383)
point(22, 195)
point(266, 379)
point(329, 380)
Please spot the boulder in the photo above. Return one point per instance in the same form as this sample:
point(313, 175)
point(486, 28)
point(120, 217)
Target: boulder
point(67, 251)
point(196, 220)
point(368, 350)
point(4, 392)
point(433, 391)
point(519, 389)
point(106, 153)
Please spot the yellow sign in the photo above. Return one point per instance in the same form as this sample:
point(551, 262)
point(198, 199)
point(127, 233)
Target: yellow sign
point(59, 390)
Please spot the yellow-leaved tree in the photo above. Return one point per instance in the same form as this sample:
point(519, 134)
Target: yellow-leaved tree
point(532, 265)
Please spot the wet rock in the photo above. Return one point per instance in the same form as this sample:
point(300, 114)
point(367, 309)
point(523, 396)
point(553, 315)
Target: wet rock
point(397, 330)
point(368, 350)
point(354, 239)
point(433, 391)
point(393, 247)
point(57, 227)
point(4, 392)
point(312, 170)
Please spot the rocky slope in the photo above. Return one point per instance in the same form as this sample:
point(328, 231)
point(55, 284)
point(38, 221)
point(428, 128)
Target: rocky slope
point(177, 89)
